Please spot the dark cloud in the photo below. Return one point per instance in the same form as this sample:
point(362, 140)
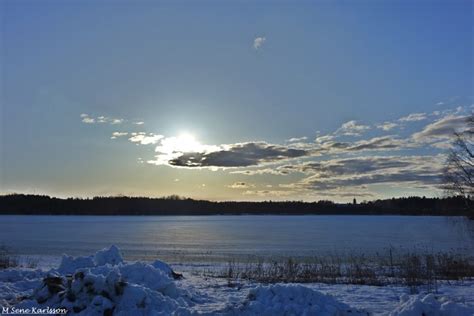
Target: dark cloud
point(421, 171)
point(238, 155)
point(356, 165)
point(377, 143)
point(402, 176)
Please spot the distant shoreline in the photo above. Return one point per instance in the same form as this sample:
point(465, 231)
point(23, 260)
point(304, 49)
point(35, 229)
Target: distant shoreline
point(242, 214)
point(21, 204)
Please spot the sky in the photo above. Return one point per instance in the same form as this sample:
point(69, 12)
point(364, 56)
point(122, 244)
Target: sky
point(234, 100)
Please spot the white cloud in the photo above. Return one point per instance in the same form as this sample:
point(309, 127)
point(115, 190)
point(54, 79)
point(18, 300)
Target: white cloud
point(352, 128)
point(102, 119)
point(442, 129)
point(118, 134)
point(296, 139)
point(86, 118)
point(116, 121)
point(413, 117)
point(144, 138)
point(324, 138)
point(386, 126)
point(258, 42)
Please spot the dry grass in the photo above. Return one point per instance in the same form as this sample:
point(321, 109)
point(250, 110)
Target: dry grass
point(410, 269)
point(7, 259)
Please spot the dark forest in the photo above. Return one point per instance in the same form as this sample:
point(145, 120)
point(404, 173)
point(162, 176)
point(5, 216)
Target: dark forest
point(22, 204)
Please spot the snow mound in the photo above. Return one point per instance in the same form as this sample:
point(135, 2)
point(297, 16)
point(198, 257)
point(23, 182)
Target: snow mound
point(103, 284)
point(150, 277)
point(291, 300)
point(70, 264)
point(111, 256)
point(430, 305)
point(128, 289)
point(162, 266)
point(12, 275)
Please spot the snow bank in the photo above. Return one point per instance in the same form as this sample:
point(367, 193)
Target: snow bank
point(105, 256)
point(15, 283)
point(291, 300)
point(111, 256)
point(70, 264)
point(104, 284)
point(87, 293)
point(430, 305)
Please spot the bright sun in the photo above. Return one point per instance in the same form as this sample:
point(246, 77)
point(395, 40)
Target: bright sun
point(186, 142)
point(183, 143)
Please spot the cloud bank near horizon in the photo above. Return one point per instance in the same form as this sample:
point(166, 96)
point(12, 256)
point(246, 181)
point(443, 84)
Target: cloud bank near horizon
point(350, 161)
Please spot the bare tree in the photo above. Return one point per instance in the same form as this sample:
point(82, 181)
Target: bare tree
point(459, 169)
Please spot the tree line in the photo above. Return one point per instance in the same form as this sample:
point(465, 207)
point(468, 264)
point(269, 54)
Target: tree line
point(23, 204)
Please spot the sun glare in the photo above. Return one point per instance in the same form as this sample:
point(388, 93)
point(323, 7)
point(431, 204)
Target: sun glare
point(183, 143)
point(170, 148)
point(186, 142)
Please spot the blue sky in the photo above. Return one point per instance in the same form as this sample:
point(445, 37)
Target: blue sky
point(222, 87)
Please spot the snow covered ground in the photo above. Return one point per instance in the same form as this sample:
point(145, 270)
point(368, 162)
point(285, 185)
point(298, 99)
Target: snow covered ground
point(103, 284)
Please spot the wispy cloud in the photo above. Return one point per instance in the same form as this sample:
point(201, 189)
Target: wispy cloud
point(253, 172)
point(241, 185)
point(378, 143)
point(266, 193)
point(387, 126)
point(116, 135)
point(414, 117)
point(442, 129)
point(86, 118)
point(419, 171)
point(352, 128)
point(297, 139)
point(143, 138)
point(258, 42)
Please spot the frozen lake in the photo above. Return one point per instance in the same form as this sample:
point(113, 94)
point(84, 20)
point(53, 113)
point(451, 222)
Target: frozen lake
point(214, 238)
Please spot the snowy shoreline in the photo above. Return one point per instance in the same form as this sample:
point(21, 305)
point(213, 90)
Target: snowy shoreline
point(104, 284)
